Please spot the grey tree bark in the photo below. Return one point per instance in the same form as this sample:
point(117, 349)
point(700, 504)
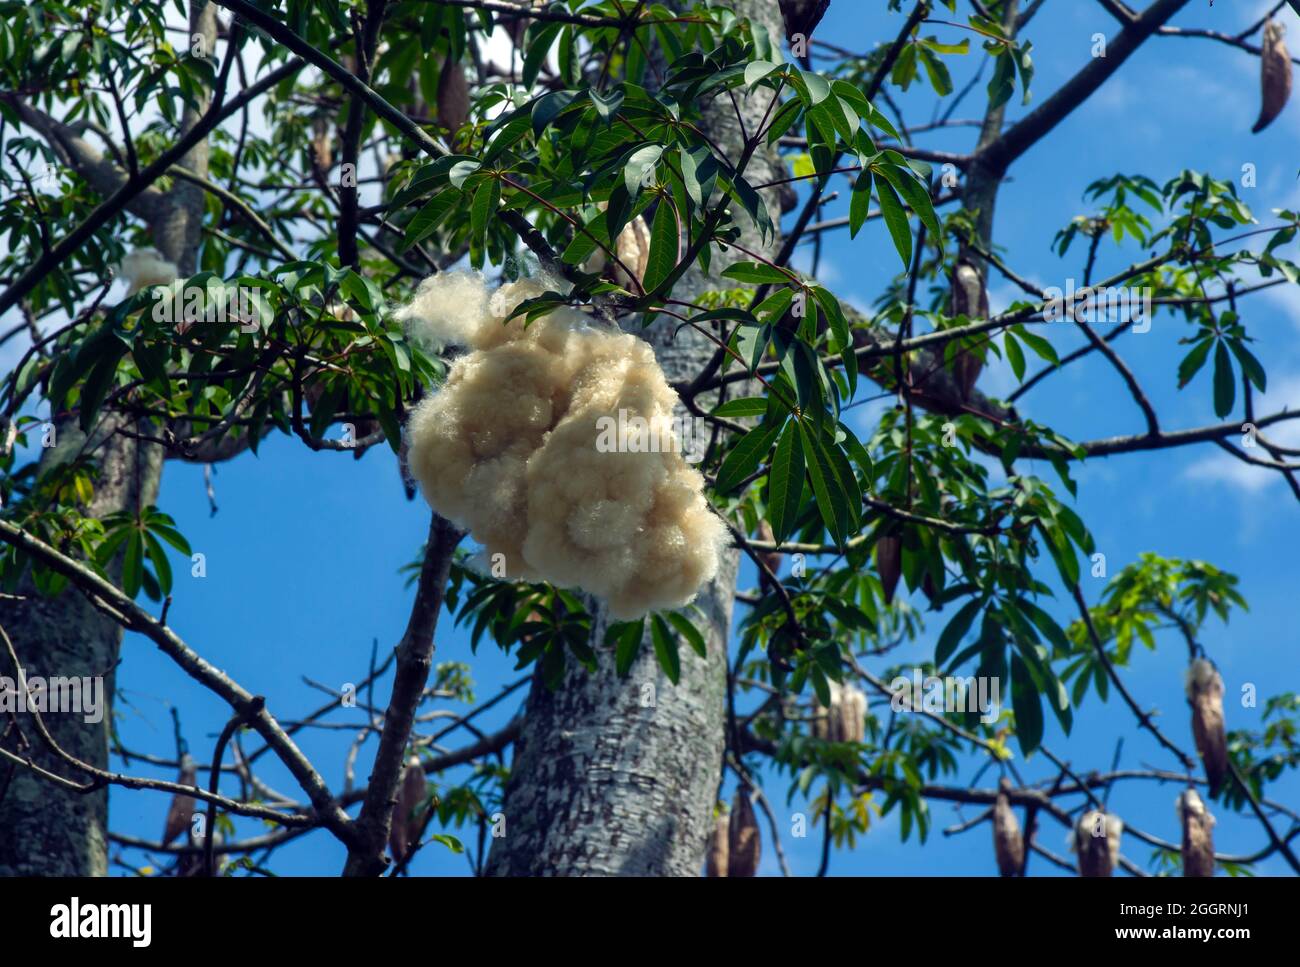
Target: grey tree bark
point(49, 830)
point(618, 776)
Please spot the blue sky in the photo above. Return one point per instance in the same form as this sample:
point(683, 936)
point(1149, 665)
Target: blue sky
point(302, 558)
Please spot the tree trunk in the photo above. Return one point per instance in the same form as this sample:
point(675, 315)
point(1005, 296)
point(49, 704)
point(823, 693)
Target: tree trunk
point(46, 830)
point(617, 776)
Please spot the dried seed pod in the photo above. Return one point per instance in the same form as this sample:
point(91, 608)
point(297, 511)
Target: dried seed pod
point(1096, 839)
point(744, 843)
point(802, 16)
point(1274, 75)
point(1198, 834)
point(453, 96)
point(843, 721)
point(826, 721)
point(181, 812)
point(1205, 696)
point(889, 563)
point(633, 249)
point(771, 558)
point(715, 863)
point(1008, 843)
point(405, 830)
point(852, 713)
point(321, 145)
point(969, 298)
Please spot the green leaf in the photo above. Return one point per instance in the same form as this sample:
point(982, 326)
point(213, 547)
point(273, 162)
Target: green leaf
point(1026, 704)
point(486, 199)
point(818, 87)
point(97, 384)
point(664, 247)
point(754, 204)
point(913, 192)
point(161, 566)
point(751, 343)
point(937, 71)
point(785, 482)
point(1015, 355)
point(628, 637)
point(1249, 364)
point(1193, 361)
point(891, 209)
point(424, 221)
point(639, 166)
point(832, 502)
point(133, 564)
point(543, 37)
point(1041, 347)
point(756, 70)
point(859, 203)
point(821, 686)
point(745, 457)
point(449, 841)
point(745, 406)
point(1003, 84)
point(857, 452)
point(461, 170)
point(956, 630)
point(689, 632)
point(1225, 387)
point(756, 273)
point(607, 106)
point(670, 660)
point(172, 536)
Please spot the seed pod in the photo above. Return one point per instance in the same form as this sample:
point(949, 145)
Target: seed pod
point(852, 711)
point(1198, 834)
point(181, 812)
point(633, 249)
point(1096, 839)
point(1008, 843)
point(968, 298)
point(715, 863)
point(1205, 696)
point(802, 16)
point(321, 145)
point(744, 843)
point(771, 558)
point(826, 721)
point(889, 562)
point(1274, 75)
point(453, 96)
point(405, 830)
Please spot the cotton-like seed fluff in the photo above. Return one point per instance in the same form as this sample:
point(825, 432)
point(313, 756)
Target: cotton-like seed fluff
point(145, 267)
point(511, 447)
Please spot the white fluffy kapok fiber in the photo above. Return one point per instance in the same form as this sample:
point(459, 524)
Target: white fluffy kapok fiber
point(508, 449)
point(144, 267)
